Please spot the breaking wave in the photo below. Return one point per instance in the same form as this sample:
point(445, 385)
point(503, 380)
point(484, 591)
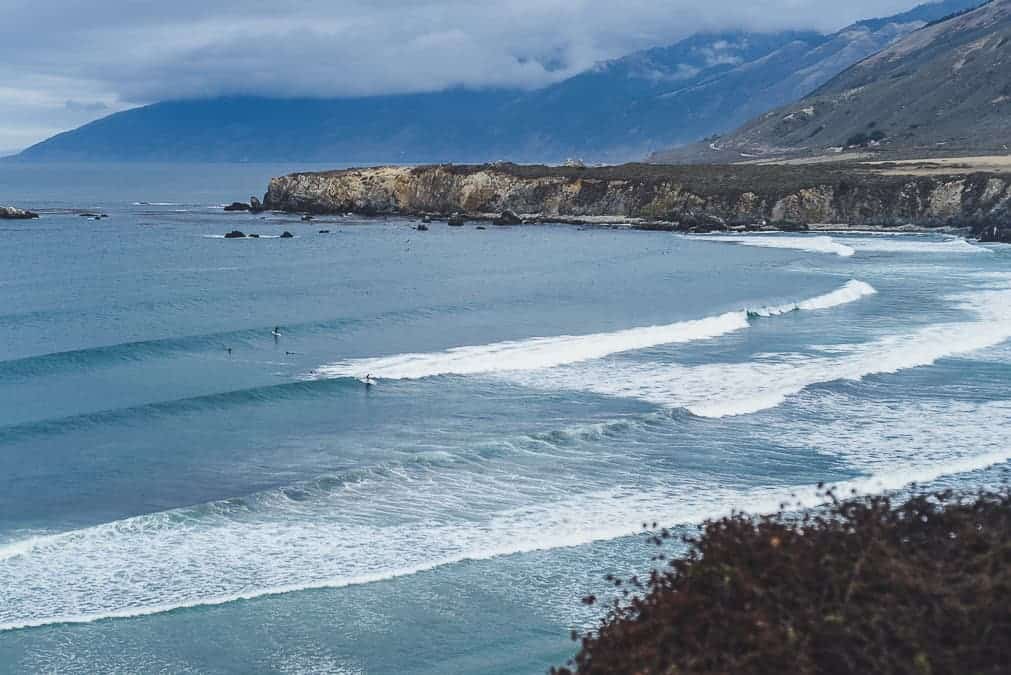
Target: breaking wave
point(730, 389)
point(287, 541)
point(551, 352)
point(812, 244)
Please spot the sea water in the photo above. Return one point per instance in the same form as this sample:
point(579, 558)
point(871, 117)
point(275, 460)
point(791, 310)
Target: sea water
point(183, 491)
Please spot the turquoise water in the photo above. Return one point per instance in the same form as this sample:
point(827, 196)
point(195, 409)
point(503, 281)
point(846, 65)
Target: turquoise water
point(169, 506)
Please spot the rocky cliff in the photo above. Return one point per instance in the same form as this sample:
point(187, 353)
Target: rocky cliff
point(700, 197)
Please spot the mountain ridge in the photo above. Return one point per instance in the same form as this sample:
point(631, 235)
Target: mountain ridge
point(618, 110)
point(941, 91)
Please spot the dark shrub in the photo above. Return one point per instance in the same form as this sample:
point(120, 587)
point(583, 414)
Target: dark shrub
point(864, 587)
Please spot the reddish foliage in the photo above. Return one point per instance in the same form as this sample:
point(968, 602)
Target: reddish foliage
point(864, 587)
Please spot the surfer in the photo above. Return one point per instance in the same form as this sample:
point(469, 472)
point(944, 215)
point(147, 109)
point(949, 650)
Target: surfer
point(229, 350)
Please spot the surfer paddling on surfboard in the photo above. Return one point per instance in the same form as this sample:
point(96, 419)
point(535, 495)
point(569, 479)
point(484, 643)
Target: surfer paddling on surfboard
point(276, 332)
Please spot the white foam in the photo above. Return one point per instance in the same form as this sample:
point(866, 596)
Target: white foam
point(850, 292)
point(550, 352)
point(813, 244)
point(730, 389)
point(162, 562)
point(913, 245)
point(534, 353)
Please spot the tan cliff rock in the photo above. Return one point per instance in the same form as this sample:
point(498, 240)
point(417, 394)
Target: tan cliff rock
point(707, 197)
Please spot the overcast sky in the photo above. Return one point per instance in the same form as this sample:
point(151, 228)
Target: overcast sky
point(65, 62)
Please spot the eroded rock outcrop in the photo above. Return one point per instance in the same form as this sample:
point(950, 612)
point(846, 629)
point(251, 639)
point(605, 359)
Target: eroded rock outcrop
point(14, 213)
point(697, 197)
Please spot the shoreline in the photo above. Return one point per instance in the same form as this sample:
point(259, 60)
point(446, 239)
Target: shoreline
point(643, 225)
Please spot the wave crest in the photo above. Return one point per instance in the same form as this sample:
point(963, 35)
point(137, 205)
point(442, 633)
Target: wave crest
point(551, 352)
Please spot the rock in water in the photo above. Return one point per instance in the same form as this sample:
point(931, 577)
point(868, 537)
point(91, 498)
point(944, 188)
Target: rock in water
point(254, 205)
point(426, 219)
point(422, 228)
point(993, 234)
point(457, 220)
point(235, 234)
point(13, 213)
point(237, 206)
point(287, 235)
point(306, 218)
point(508, 217)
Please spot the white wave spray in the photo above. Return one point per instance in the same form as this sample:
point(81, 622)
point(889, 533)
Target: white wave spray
point(811, 244)
point(730, 389)
point(551, 352)
point(166, 561)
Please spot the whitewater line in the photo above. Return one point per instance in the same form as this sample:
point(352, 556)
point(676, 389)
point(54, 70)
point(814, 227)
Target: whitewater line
point(550, 352)
point(717, 390)
point(819, 244)
point(760, 501)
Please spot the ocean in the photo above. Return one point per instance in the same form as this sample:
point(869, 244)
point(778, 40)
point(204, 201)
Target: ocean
point(183, 491)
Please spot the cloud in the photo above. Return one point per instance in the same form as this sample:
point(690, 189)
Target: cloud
point(93, 58)
point(85, 107)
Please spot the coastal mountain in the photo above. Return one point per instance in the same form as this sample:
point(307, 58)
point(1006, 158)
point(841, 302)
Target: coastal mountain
point(942, 91)
point(618, 110)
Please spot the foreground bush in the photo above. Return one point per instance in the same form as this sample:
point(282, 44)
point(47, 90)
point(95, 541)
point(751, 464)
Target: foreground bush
point(864, 587)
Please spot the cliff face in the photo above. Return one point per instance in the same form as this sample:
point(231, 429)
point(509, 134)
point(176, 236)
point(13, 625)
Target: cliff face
point(710, 197)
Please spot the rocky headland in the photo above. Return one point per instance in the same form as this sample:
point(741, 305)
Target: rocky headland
point(688, 198)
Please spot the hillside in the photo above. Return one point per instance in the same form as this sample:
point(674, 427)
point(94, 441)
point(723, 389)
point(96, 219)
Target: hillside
point(944, 90)
point(618, 110)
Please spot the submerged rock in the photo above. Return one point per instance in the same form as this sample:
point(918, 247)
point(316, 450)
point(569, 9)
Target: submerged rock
point(237, 206)
point(306, 218)
point(287, 235)
point(235, 234)
point(422, 228)
point(324, 231)
point(508, 217)
point(14, 213)
point(457, 220)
